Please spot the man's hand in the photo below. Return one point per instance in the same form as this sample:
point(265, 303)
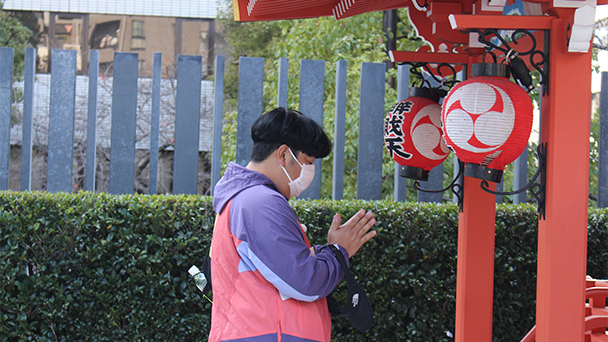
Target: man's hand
point(354, 233)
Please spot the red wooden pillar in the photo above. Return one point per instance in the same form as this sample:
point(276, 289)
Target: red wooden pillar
point(562, 245)
point(475, 272)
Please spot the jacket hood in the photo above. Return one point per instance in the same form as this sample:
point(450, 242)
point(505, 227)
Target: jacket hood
point(236, 179)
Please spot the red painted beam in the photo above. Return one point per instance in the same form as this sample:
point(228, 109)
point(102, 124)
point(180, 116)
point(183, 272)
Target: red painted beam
point(562, 235)
point(505, 22)
point(475, 268)
point(429, 57)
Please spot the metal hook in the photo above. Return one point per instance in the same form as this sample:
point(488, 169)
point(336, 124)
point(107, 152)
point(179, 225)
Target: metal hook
point(537, 189)
point(456, 188)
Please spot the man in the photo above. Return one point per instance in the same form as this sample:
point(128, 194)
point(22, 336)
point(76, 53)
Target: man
point(269, 284)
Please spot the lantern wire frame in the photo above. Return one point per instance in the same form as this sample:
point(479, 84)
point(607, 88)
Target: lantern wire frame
point(455, 185)
point(537, 189)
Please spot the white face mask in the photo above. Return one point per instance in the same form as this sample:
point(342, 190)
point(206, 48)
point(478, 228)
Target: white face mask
point(307, 173)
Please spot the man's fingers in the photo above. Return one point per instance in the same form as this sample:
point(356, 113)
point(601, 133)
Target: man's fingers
point(369, 224)
point(354, 233)
point(364, 230)
point(358, 220)
point(354, 219)
point(368, 236)
point(366, 222)
point(335, 223)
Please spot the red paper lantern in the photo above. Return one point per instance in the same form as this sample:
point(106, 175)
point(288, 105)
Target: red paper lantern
point(413, 136)
point(487, 121)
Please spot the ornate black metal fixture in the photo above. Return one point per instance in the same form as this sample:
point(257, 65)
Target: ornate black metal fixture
point(422, 87)
point(537, 189)
point(494, 40)
point(425, 5)
point(445, 82)
point(457, 188)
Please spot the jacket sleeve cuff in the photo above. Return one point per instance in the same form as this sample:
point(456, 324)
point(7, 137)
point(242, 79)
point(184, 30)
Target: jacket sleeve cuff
point(344, 252)
point(319, 248)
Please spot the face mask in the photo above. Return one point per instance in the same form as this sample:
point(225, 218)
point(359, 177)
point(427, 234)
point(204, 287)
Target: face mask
point(307, 173)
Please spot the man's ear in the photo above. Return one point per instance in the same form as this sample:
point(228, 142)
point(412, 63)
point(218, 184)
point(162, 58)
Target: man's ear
point(282, 153)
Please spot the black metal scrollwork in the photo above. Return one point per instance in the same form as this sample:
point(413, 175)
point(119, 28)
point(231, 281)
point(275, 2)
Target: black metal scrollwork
point(415, 68)
point(425, 5)
point(538, 58)
point(537, 189)
point(456, 188)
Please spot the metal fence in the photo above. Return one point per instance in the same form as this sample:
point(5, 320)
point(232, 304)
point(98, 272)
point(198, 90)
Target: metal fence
point(192, 131)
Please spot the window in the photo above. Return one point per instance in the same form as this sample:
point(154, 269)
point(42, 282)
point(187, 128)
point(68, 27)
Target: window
point(138, 39)
point(105, 35)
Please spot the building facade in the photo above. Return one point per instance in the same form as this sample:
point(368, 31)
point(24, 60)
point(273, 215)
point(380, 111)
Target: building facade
point(170, 27)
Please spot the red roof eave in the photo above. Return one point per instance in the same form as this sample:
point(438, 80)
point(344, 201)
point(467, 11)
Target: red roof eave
point(289, 10)
point(261, 10)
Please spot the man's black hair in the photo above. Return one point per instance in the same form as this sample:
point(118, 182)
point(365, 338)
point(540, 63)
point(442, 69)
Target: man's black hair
point(281, 126)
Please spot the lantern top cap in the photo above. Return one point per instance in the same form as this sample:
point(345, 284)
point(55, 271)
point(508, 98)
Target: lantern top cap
point(432, 94)
point(490, 69)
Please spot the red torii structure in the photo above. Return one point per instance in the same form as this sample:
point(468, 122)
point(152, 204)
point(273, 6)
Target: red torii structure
point(563, 26)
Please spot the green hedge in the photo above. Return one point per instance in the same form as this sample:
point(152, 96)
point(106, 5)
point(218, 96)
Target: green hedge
point(97, 267)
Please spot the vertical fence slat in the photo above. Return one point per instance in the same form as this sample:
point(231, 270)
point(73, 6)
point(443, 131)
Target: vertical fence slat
point(187, 124)
point(403, 86)
point(520, 177)
point(155, 123)
point(602, 185)
point(218, 110)
point(283, 82)
point(28, 106)
point(124, 115)
point(500, 187)
point(251, 91)
point(339, 131)
point(61, 121)
point(6, 85)
point(371, 120)
point(312, 94)
point(91, 160)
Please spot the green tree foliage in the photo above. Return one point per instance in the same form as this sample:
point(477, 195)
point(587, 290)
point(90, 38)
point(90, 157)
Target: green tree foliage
point(16, 35)
point(359, 39)
point(255, 39)
point(600, 42)
point(594, 157)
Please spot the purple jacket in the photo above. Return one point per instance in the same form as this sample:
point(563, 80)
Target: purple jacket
point(266, 284)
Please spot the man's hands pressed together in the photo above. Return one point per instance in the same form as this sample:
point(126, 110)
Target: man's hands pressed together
point(354, 233)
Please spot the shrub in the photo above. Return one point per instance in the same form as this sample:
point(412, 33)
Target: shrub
point(91, 267)
point(100, 267)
